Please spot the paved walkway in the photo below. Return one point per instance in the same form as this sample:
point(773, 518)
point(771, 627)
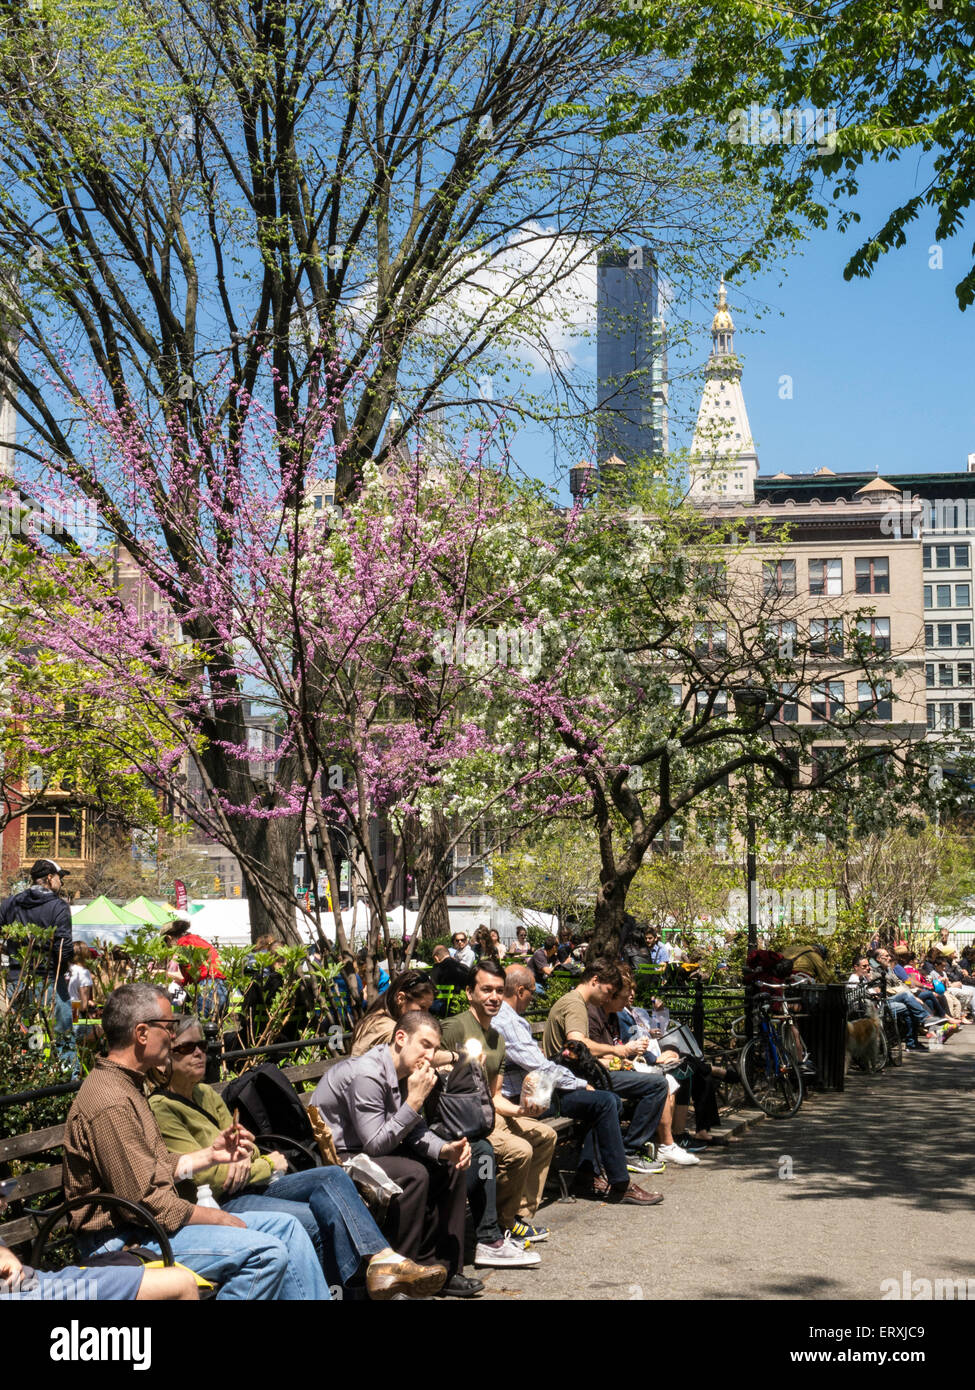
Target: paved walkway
point(856, 1189)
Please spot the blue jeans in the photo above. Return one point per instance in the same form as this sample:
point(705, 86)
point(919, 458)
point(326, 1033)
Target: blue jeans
point(599, 1112)
point(111, 1282)
point(482, 1192)
point(911, 1005)
point(272, 1259)
point(43, 993)
point(212, 998)
point(334, 1216)
point(649, 1093)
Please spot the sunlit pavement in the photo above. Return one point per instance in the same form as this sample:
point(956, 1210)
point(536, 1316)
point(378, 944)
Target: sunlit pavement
point(858, 1188)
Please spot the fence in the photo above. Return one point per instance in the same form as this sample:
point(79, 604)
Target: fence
point(710, 1011)
point(217, 1058)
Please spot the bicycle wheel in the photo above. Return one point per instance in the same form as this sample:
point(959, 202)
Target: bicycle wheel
point(771, 1080)
point(892, 1032)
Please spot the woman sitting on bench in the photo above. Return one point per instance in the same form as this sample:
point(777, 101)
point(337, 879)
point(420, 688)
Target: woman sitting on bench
point(325, 1201)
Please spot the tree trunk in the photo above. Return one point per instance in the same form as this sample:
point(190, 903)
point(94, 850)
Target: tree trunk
point(273, 844)
point(610, 907)
point(429, 851)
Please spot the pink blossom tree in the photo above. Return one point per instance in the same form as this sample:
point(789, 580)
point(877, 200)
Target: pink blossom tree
point(449, 652)
point(366, 638)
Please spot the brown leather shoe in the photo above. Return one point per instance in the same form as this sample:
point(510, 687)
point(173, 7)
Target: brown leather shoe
point(634, 1196)
point(385, 1279)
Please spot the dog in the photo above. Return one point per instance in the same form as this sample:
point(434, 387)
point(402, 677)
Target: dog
point(863, 1045)
point(576, 1056)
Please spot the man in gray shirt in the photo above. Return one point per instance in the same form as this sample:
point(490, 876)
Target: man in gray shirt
point(374, 1106)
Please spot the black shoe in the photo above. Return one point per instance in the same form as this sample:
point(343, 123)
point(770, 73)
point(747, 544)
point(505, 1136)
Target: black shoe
point(460, 1286)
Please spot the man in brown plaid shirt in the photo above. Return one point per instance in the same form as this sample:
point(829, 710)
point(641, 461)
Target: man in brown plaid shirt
point(112, 1144)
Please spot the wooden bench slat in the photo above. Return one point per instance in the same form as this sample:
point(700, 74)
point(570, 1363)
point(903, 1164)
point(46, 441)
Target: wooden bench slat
point(26, 1145)
point(314, 1071)
point(41, 1180)
point(18, 1232)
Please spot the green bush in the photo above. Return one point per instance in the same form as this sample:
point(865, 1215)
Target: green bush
point(423, 950)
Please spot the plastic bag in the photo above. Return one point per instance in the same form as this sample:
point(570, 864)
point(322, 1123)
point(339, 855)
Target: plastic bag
point(374, 1186)
point(537, 1088)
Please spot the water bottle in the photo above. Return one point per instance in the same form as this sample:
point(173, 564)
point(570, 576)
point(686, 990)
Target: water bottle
point(204, 1196)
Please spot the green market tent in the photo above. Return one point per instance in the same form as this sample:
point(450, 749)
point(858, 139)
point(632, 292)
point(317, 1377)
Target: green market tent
point(103, 913)
point(153, 914)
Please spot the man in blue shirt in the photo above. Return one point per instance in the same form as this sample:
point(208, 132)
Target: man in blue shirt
point(660, 952)
point(598, 1112)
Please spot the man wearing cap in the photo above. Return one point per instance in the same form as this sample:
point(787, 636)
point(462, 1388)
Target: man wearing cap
point(42, 906)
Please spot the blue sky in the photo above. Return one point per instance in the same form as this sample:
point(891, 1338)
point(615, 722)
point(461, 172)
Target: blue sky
point(882, 368)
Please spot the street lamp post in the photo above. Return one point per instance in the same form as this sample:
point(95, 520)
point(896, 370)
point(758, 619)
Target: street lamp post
point(750, 700)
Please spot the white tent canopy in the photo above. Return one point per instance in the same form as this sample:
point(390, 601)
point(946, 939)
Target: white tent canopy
point(226, 922)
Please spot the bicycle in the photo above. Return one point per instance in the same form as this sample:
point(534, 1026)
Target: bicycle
point(891, 1027)
point(770, 1061)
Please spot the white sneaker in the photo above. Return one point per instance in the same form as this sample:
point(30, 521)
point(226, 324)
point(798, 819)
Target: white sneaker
point(673, 1153)
point(507, 1255)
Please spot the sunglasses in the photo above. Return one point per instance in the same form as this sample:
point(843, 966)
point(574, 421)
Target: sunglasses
point(185, 1049)
point(168, 1023)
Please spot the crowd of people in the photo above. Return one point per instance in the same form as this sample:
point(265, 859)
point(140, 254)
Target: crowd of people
point(453, 1114)
point(449, 1118)
point(931, 999)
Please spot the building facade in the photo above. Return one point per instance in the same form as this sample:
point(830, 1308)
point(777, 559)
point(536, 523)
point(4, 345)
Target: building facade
point(631, 356)
point(845, 556)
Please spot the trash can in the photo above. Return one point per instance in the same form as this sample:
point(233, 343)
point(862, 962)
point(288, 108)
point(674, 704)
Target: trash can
point(823, 1029)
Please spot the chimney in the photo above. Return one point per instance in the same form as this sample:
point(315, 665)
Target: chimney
point(971, 463)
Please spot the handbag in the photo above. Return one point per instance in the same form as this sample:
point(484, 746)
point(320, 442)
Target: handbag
point(460, 1105)
point(680, 1039)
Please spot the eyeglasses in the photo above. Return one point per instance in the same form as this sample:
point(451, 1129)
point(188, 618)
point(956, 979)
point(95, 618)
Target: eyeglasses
point(168, 1023)
point(184, 1049)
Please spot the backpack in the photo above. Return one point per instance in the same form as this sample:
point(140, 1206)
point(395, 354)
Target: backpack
point(269, 1104)
point(460, 1105)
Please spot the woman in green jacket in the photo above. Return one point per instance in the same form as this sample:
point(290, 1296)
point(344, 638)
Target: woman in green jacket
point(325, 1201)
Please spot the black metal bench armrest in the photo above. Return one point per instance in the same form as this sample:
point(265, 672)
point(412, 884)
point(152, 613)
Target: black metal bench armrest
point(141, 1215)
point(282, 1142)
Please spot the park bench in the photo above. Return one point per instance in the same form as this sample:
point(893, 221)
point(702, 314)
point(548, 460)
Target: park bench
point(28, 1228)
point(34, 1229)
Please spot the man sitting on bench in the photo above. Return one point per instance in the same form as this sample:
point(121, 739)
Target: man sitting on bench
point(597, 1112)
point(374, 1105)
point(112, 1144)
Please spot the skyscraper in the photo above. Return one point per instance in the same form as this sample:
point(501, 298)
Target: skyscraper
point(631, 356)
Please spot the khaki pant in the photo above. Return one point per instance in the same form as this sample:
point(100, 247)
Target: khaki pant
point(954, 1003)
point(523, 1149)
